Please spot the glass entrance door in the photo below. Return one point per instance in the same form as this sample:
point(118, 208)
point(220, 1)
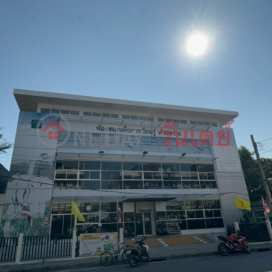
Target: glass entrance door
point(143, 224)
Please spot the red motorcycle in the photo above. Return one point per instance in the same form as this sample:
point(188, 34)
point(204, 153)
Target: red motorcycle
point(233, 243)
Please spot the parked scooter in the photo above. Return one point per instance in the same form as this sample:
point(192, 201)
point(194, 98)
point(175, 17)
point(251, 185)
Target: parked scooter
point(139, 254)
point(233, 243)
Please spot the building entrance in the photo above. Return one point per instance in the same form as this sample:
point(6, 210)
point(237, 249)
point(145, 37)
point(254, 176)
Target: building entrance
point(143, 223)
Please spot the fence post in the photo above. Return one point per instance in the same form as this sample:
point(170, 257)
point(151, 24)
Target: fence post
point(236, 226)
point(19, 248)
point(268, 226)
point(74, 245)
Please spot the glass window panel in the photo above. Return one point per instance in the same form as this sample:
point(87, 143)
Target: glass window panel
point(194, 176)
point(109, 228)
point(134, 166)
point(199, 214)
point(190, 214)
point(65, 184)
point(194, 204)
point(208, 184)
point(171, 176)
point(170, 167)
point(60, 174)
point(84, 175)
point(152, 184)
point(217, 213)
point(65, 111)
point(57, 224)
point(55, 111)
point(109, 206)
point(209, 213)
point(68, 164)
point(43, 110)
point(112, 175)
point(111, 166)
point(87, 113)
point(188, 167)
point(133, 184)
point(172, 184)
point(157, 175)
point(175, 205)
point(203, 176)
point(205, 168)
point(172, 225)
point(211, 176)
point(160, 216)
point(74, 112)
point(108, 217)
point(215, 223)
point(148, 175)
point(129, 230)
point(94, 175)
point(171, 215)
point(93, 207)
point(128, 175)
point(105, 115)
point(114, 184)
point(142, 118)
point(190, 184)
point(71, 174)
point(211, 204)
point(61, 208)
point(89, 165)
point(186, 175)
point(90, 218)
point(152, 166)
point(128, 217)
point(196, 224)
point(89, 184)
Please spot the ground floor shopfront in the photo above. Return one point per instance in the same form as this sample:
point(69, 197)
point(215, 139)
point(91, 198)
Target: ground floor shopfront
point(140, 217)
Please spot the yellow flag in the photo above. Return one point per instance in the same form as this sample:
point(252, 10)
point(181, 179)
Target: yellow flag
point(242, 204)
point(76, 212)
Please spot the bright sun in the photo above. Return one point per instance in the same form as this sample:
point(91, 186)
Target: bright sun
point(197, 44)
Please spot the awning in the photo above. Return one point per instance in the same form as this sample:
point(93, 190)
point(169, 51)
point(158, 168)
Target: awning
point(128, 194)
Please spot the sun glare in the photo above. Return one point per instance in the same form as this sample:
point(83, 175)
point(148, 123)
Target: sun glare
point(197, 44)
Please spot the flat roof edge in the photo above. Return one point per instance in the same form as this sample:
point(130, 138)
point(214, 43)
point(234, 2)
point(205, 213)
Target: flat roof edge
point(23, 92)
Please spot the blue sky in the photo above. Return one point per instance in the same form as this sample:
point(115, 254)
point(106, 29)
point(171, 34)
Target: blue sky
point(135, 50)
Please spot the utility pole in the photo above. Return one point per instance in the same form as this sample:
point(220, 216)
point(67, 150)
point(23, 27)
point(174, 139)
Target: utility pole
point(265, 184)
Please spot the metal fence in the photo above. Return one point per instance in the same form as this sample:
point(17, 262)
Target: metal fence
point(8, 248)
point(39, 247)
point(255, 232)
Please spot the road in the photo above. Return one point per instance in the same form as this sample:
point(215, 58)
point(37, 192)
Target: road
point(239, 262)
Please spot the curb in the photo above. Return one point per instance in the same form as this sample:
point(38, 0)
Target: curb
point(91, 264)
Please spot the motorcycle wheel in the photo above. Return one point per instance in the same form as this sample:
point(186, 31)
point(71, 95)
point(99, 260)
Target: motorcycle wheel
point(125, 257)
point(246, 248)
point(223, 249)
point(133, 260)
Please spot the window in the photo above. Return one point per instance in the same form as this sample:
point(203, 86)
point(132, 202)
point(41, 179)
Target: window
point(111, 165)
point(200, 123)
point(87, 113)
point(65, 112)
point(182, 121)
point(135, 166)
point(134, 117)
point(161, 119)
point(214, 124)
point(142, 118)
point(105, 115)
point(43, 110)
point(205, 168)
point(115, 116)
point(193, 122)
point(126, 116)
point(73, 112)
point(97, 114)
point(150, 119)
point(56, 111)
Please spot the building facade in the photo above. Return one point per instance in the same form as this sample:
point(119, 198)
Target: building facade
point(165, 168)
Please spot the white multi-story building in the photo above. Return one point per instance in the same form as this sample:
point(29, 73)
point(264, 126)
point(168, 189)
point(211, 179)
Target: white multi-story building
point(110, 154)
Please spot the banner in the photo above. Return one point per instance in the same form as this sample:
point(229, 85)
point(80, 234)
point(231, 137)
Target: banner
point(93, 243)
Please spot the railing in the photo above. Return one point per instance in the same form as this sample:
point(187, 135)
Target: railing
point(39, 247)
point(8, 248)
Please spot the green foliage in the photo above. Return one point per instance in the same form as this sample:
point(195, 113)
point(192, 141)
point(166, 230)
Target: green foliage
point(252, 173)
point(4, 145)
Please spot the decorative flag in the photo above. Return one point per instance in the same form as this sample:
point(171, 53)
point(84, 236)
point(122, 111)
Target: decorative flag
point(26, 212)
point(119, 213)
point(242, 204)
point(76, 212)
point(265, 208)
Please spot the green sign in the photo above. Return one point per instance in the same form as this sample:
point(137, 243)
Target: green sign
point(34, 124)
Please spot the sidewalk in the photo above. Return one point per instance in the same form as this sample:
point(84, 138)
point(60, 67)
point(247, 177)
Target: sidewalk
point(156, 254)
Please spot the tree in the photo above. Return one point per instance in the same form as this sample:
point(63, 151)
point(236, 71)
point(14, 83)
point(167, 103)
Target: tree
point(252, 174)
point(4, 145)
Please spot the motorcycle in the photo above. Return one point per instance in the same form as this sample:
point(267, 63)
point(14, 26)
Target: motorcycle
point(233, 243)
point(139, 254)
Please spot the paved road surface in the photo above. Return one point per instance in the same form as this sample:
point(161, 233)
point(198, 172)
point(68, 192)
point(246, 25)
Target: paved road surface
point(239, 262)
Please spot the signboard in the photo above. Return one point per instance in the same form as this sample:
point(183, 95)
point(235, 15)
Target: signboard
point(93, 243)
